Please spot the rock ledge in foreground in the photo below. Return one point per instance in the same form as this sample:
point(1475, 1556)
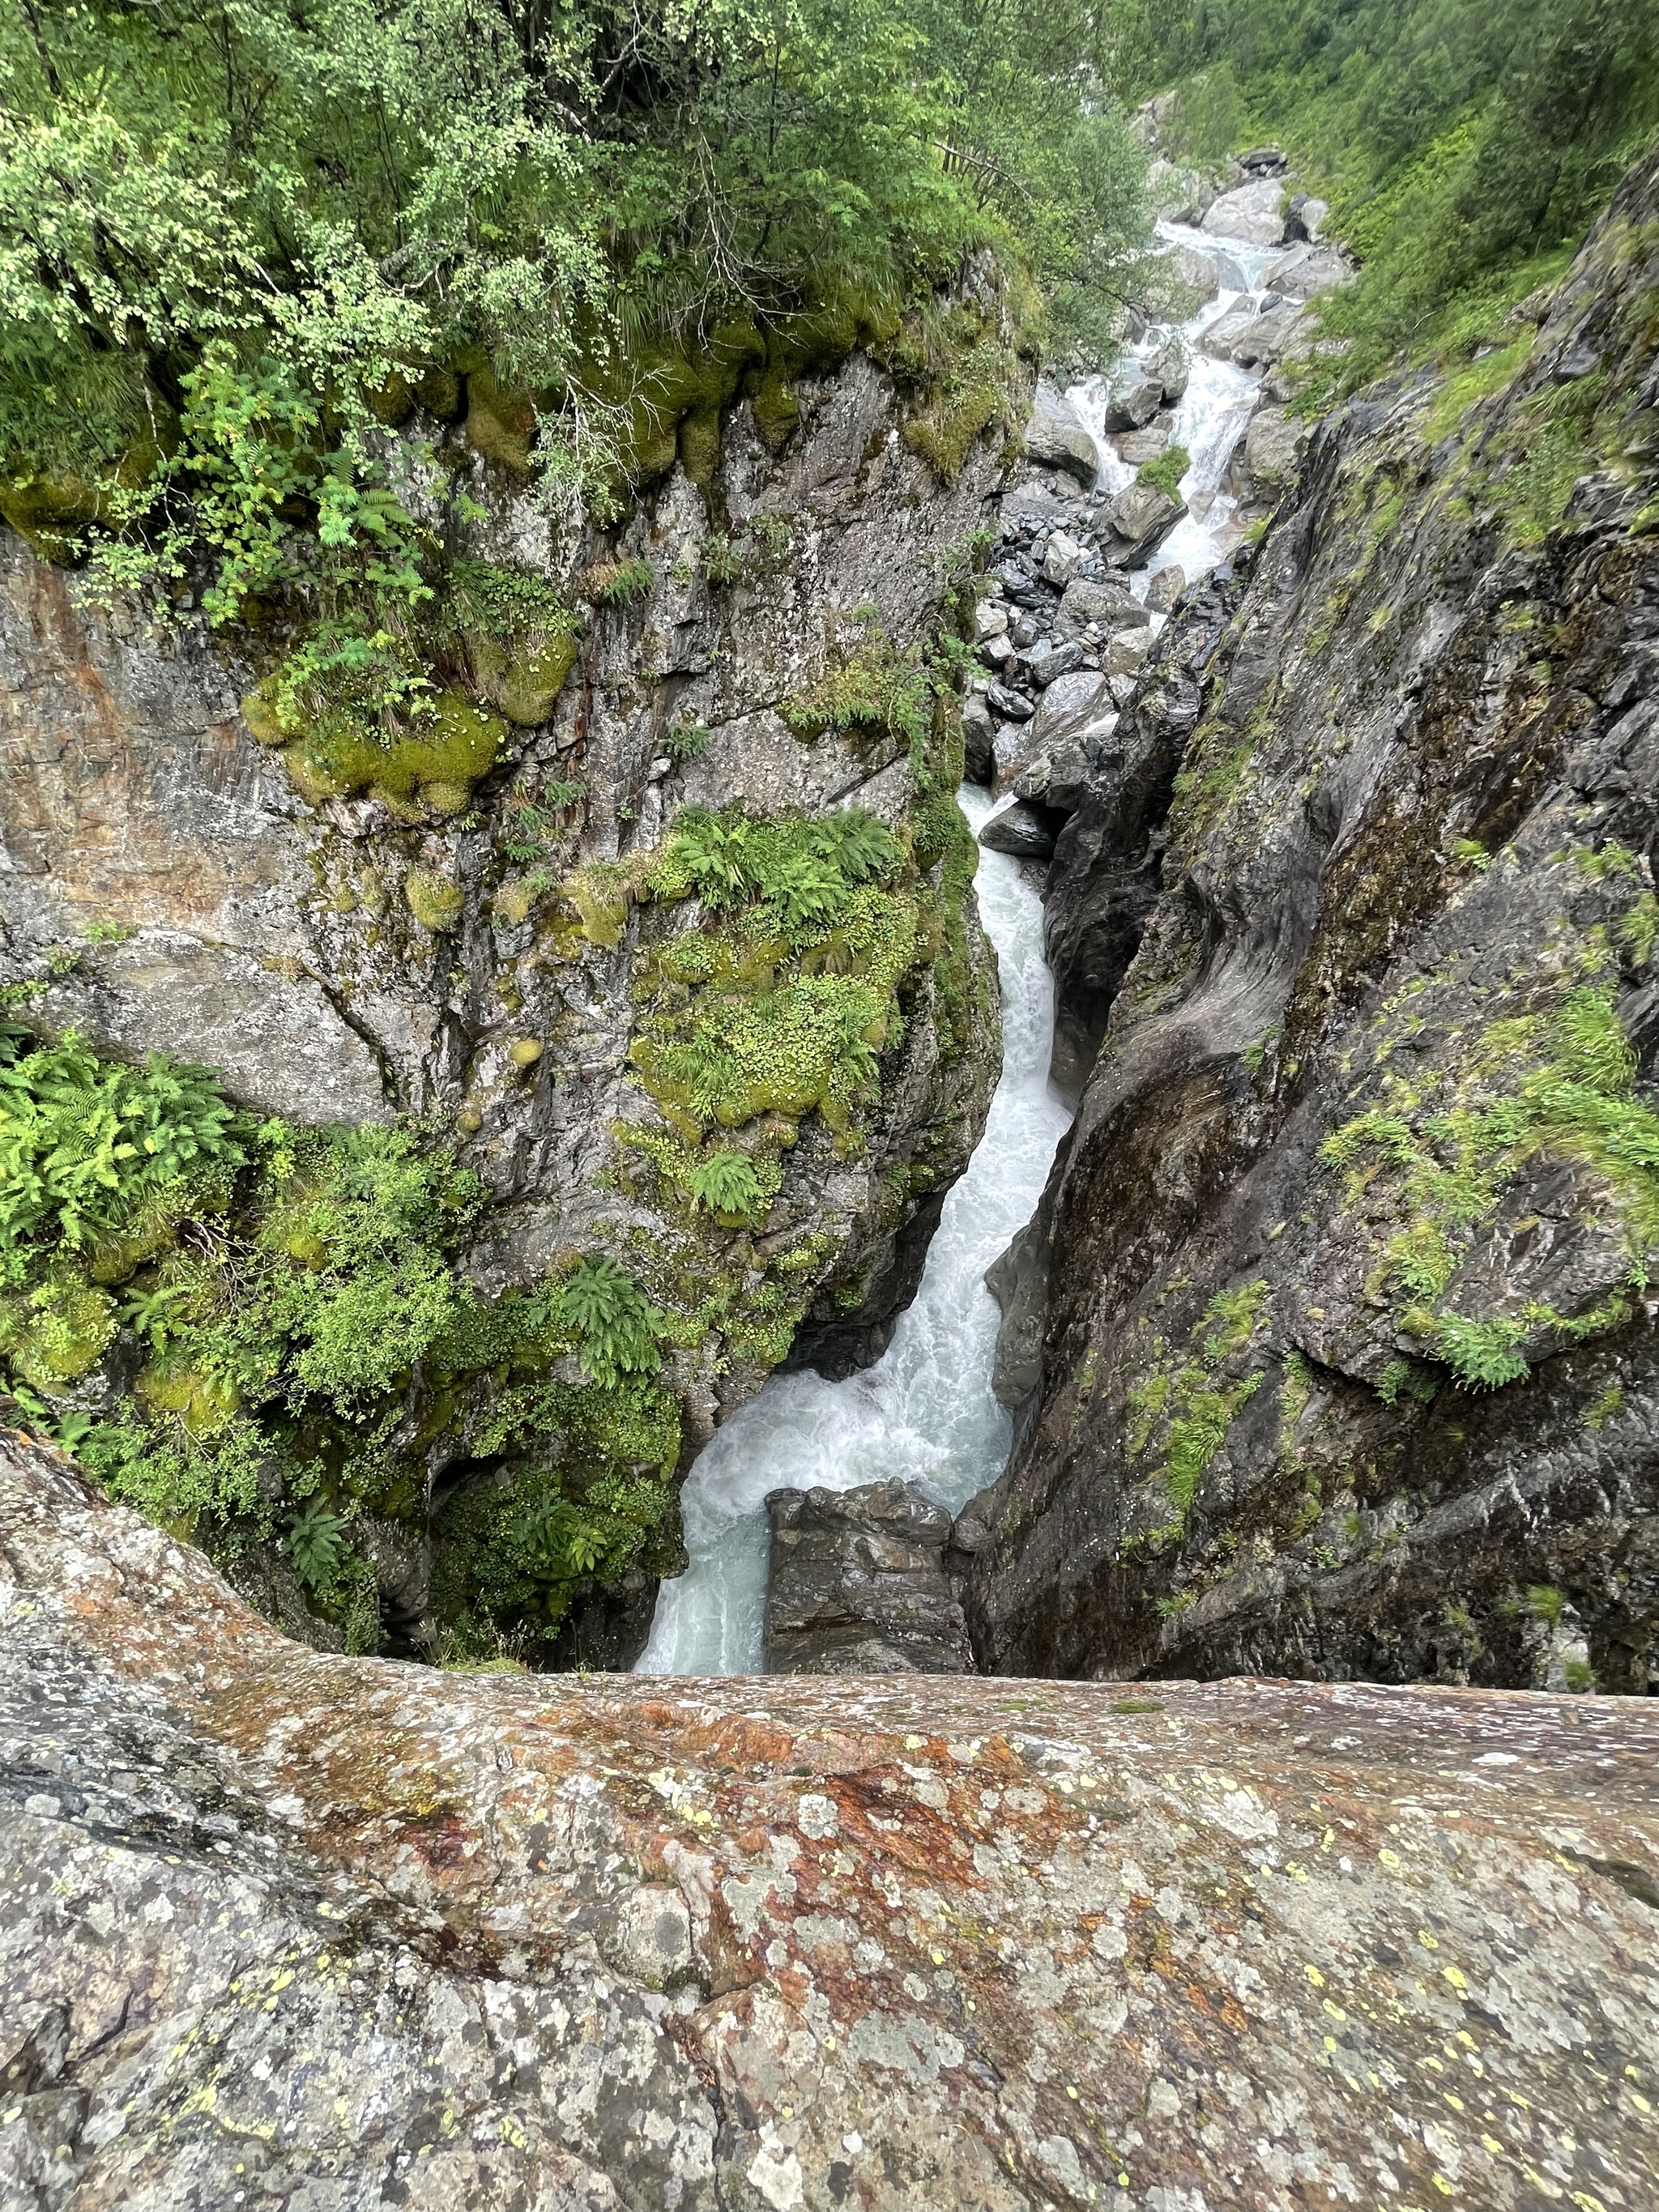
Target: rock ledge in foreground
point(283, 1928)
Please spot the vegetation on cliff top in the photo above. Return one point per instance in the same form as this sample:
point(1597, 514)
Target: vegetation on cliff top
point(234, 243)
point(1464, 144)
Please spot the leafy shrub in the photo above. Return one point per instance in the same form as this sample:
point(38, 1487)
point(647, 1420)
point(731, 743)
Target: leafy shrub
point(317, 1543)
point(615, 1321)
point(1164, 473)
point(800, 874)
point(84, 1142)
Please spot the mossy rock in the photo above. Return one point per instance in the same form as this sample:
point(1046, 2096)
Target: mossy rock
point(439, 390)
point(393, 402)
point(58, 1334)
point(434, 899)
point(524, 685)
point(49, 512)
point(500, 423)
point(205, 1403)
point(336, 755)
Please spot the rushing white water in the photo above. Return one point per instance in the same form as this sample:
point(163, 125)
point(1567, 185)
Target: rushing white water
point(925, 1412)
point(1211, 417)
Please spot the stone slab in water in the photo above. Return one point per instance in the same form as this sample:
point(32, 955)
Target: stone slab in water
point(859, 1584)
point(284, 1927)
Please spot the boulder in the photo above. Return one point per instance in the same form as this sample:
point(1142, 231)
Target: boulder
point(1026, 831)
point(1305, 215)
point(1164, 589)
point(1252, 340)
point(1109, 606)
point(1196, 271)
point(1012, 706)
point(1127, 651)
point(997, 652)
point(1136, 447)
point(1303, 271)
point(1252, 213)
point(1047, 660)
point(1057, 780)
point(1263, 162)
point(1265, 463)
point(1069, 707)
point(285, 1927)
point(990, 620)
point(1061, 559)
point(1170, 368)
point(1173, 193)
point(858, 1582)
point(978, 734)
point(1057, 437)
point(1133, 404)
point(1139, 518)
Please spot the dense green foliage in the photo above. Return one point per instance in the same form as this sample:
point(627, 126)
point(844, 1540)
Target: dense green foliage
point(235, 240)
point(293, 1296)
point(1465, 145)
point(781, 1001)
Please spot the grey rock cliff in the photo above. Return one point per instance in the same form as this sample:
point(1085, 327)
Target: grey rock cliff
point(1347, 1364)
point(278, 937)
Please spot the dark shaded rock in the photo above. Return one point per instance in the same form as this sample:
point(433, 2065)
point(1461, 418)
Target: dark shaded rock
point(1012, 706)
point(1070, 705)
point(1046, 661)
point(1026, 830)
point(978, 730)
point(859, 1584)
point(1344, 1368)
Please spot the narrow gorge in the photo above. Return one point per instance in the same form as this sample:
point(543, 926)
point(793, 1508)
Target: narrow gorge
point(828, 1106)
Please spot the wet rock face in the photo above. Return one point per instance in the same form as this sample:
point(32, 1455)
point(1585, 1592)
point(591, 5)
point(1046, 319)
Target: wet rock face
point(860, 1582)
point(1348, 1364)
point(280, 1927)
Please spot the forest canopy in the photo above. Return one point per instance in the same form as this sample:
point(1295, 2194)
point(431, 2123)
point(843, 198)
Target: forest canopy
point(227, 225)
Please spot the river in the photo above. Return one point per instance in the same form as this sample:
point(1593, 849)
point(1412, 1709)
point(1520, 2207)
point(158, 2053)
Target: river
point(925, 1413)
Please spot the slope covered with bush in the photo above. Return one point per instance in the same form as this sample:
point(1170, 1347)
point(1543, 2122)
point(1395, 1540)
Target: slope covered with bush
point(1465, 145)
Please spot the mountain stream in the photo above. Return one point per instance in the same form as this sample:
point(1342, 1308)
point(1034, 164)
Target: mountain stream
point(925, 1412)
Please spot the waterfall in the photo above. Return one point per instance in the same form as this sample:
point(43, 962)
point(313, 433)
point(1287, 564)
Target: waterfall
point(925, 1412)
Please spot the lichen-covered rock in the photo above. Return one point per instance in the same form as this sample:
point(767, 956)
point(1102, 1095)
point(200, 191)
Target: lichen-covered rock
point(281, 1928)
point(1348, 1364)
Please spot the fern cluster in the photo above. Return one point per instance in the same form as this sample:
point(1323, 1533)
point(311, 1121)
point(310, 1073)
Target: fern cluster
point(85, 1143)
point(800, 875)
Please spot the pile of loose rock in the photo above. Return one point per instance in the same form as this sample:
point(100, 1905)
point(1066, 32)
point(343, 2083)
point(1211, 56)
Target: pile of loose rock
point(1059, 629)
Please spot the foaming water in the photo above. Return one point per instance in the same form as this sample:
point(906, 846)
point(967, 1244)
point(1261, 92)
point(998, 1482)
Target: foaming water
point(925, 1412)
point(1210, 417)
